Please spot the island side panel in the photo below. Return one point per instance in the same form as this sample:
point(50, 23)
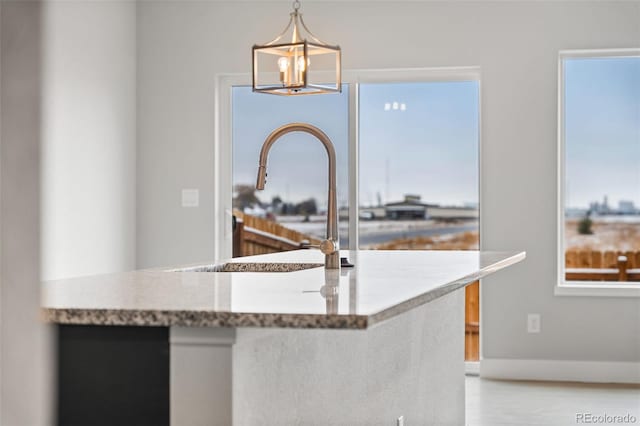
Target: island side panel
point(411, 366)
point(113, 376)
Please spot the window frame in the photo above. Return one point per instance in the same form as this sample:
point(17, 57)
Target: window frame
point(223, 140)
point(581, 288)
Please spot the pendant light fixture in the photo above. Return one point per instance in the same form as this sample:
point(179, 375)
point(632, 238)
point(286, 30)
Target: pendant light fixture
point(300, 64)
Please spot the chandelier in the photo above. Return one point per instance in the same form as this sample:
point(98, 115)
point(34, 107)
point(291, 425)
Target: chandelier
point(305, 65)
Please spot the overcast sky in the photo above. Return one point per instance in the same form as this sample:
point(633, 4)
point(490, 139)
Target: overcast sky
point(602, 105)
point(297, 166)
point(430, 148)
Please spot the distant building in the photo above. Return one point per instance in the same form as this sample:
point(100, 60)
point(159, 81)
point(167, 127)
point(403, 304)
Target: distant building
point(412, 198)
point(410, 208)
point(600, 209)
point(452, 213)
point(371, 213)
point(626, 207)
point(413, 208)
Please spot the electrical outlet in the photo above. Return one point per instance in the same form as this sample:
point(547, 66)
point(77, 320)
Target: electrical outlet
point(400, 421)
point(533, 323)
point(190, 198)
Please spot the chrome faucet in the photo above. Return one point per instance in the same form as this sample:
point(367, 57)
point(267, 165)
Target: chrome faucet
point(330, 246)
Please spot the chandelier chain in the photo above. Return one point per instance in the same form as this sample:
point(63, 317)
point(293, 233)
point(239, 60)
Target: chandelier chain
point(296, 5)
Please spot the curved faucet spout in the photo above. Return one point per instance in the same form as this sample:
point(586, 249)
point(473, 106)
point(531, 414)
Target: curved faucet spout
point(330, 246)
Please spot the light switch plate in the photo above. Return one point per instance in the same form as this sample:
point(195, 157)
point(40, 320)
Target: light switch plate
point(533, 323)
point(190, 198)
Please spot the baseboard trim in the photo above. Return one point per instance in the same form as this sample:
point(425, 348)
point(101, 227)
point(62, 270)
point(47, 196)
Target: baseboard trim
point(472, 368)
point(562, 371)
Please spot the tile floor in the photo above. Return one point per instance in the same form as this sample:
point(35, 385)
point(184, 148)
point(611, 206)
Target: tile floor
point(498, 403)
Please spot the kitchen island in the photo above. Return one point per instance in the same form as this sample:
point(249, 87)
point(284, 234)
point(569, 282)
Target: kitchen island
point(271, 339)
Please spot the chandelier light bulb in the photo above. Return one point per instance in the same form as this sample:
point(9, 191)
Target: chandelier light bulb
point(301, 64)
point(283, 64)
point(395, 106)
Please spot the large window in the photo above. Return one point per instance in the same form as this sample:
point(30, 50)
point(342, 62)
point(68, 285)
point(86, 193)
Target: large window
point(417, 156)
point(600, 168)
point(419, 148)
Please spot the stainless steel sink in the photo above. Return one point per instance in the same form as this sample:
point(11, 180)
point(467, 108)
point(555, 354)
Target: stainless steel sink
point(250, 267)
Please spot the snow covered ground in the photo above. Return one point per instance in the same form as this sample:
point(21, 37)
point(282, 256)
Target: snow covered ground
point(609, 233)
point(379, 231)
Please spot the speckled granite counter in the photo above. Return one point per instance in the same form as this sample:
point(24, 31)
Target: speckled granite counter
point(383, 284)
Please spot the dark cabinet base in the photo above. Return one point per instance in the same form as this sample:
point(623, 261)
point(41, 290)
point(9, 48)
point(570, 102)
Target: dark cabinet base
point(113, 376)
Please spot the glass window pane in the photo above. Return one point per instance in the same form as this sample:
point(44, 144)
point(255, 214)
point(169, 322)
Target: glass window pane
point(295, 196)
point(602, 168)
point(419, 165)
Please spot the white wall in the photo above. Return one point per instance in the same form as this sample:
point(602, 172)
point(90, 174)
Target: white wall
point(26, 352)
point(183, 45)
point(89, 145)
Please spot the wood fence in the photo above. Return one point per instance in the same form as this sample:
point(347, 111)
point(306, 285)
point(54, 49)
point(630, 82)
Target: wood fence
point(254, 235)
point(472, 322)
point(594, 265)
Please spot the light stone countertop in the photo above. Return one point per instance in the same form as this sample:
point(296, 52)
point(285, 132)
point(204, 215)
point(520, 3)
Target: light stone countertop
point(383, 284)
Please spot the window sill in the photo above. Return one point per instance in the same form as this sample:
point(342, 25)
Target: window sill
point(597, 289)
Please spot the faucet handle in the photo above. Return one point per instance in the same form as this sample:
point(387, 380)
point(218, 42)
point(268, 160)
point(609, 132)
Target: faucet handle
point(328, 246)
point(305, 244)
